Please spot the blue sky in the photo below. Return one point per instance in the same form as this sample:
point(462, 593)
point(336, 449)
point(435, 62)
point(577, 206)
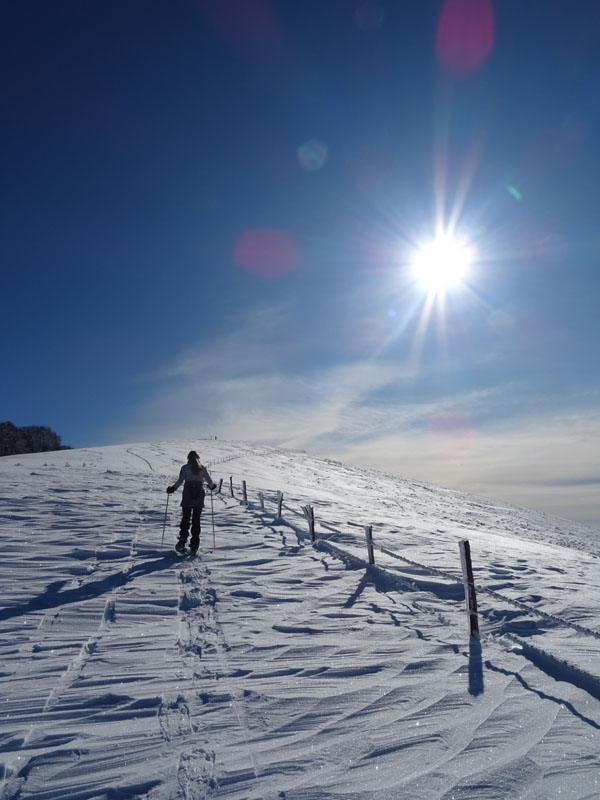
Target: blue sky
point(210, 209)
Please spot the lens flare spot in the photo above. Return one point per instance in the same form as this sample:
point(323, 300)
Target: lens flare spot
point(452, 435)
point(465, 35)
point(312, 155)
point(268, 252)
point(514, 192)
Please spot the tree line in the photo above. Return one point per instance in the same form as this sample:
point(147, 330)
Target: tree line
point(28, 439)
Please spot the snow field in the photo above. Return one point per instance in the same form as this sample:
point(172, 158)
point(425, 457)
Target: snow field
point(271, 668)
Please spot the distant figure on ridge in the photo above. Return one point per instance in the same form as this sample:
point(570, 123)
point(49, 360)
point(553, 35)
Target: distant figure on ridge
point(193, 475)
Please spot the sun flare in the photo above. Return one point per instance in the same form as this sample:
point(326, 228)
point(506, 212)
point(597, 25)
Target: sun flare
point(442, 263)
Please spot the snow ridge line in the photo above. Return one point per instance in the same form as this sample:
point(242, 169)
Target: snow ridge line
point(557, 668)
point(434, 571)
point(236, 455)
point(79, 661)
point(15, 776)
point(131, 453)
point(558, 621)
point(390, 579)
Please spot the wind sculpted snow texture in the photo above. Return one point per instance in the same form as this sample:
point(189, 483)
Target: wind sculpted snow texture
point(274, 668)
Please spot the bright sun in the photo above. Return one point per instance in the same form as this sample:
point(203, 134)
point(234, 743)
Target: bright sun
point(442, 263)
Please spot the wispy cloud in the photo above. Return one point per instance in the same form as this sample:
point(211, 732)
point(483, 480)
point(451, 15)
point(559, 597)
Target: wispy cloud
point(247, 385)
point(547, 461)
point(254, 343)
point(561, 482)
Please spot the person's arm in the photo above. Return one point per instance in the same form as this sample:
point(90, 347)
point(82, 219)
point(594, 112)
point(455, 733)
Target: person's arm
point(210, 483)
point(178, 482)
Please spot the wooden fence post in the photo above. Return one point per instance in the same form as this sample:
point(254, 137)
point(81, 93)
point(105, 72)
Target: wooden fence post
point(279, 503)
point(231, 484)
point(309, 513)
point(369, 535)
point(244, 494)
point(261, 499)
point(220, 486)
point(469, 582)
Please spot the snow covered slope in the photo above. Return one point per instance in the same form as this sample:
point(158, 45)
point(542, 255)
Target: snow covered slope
point(272, 667)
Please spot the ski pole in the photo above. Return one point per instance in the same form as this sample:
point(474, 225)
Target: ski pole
point(212, 514)
point(164, 523)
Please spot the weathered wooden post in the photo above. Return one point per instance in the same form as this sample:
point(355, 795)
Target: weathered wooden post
point(469, 582)
point(244, 494)
point(309, 513)
point(220, 486)
point(261, 500)
point(369, 535)
point(279, 503)
point(231, 484)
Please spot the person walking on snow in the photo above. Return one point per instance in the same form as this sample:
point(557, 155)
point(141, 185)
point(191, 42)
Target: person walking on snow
point(193, 475)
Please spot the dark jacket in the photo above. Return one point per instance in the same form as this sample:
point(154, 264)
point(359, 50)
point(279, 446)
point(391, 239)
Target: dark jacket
point(193, 486)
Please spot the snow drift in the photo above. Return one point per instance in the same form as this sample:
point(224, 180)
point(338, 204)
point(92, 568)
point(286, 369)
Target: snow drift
point(275, 667)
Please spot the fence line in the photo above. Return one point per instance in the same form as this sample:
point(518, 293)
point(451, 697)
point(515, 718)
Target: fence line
point(307, 511)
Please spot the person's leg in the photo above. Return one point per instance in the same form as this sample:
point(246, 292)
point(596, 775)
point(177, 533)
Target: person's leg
point(195, 540)
point(184, 526)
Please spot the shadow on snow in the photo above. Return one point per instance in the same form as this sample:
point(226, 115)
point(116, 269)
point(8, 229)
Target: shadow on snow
point(52, 597)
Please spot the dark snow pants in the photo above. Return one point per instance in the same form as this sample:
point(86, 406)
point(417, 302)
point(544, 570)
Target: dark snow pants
point(193, 514)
